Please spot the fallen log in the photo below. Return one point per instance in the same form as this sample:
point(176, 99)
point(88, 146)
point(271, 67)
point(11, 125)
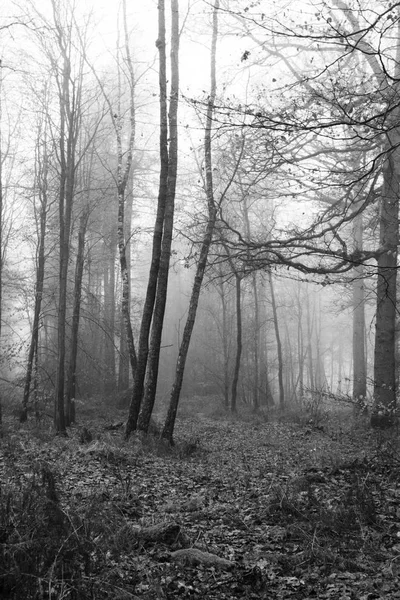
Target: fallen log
point(193, 556)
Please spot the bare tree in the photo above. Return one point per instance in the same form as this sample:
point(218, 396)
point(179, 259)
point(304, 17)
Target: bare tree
point(154, 305)
point(168, 429)
point(41, 208)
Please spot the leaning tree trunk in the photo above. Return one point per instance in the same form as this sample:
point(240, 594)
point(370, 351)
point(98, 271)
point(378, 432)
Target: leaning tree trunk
point(163, 272)
point(168, 429)
point(143, 350)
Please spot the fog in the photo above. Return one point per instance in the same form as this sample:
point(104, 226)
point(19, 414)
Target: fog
point(294, 168)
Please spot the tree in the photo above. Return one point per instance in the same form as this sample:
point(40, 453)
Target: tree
point(41, 208)
point(168, 429)
point(1, 210)
point(64, 50)
point(163, 270)
point(80, 261)
point(278, 341)
point(336, 109)
point(154, 305)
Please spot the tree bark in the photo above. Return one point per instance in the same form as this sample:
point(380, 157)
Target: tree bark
point(163, 271)
point(80, 261)
point(385, 391)
point(236, 369)
point(1, 216)
point(69, 101)
point(385, 347)
point(109, 372)
point(124, 362)
point(359, 362)
point(147, 315)
point(225, 341)
point(41, 176)
point(278, 342)
point(168, 429)
point(122, 178)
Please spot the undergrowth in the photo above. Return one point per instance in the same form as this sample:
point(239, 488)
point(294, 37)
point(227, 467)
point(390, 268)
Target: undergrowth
point(49, 553)
point(311, 493)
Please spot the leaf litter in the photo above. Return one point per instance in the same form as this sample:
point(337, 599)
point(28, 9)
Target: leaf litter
point(258, 510)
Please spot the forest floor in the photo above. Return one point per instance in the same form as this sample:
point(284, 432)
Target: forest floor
point(276, 508)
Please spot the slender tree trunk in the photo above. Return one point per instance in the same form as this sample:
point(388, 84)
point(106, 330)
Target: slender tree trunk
point(70, 97)
point(265, 386)
point(300, 351)
point(143, 351)
point(278, 342)
point(123, 367)
point(1, 216)
point(123, 359)
point(66, 195)
point(125, 275)
point(123, 178)
point(109, 372)
point(256, 400)
point(236, 369)
point(225, 337)
point(225, 343)
point(311, 380)
point(256, 322)
point(359, 362)
point(80, 261)
point(42, 183)
point(124, 170)
point(163, 271)
point(168, 430)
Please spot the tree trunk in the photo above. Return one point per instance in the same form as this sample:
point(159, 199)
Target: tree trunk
point(225, 342)
point(1, 216)
point(109, 373)
point(68, 139)
point(124, 362)
point(123, 178)
point(42, 184)
point(256, 400)
point(278, 342)
point(311, 381)
point(123, 358)
point(163, 271)
point(384, 363)
point(238, 344)
point(80, 261)
point(143, 351)
point(300, 349)
point(125, 275)
point(168, 430)
point(359, 362)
